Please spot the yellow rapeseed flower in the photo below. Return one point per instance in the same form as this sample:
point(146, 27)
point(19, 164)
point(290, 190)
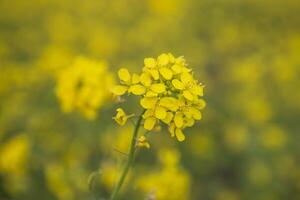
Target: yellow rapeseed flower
point(169, 93)
point(84, 86)
point(121, 117)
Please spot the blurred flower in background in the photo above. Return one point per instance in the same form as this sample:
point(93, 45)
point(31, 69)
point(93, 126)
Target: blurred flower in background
point(169, 181)
point(14, 158)
point(59, 56)
point(85, 86)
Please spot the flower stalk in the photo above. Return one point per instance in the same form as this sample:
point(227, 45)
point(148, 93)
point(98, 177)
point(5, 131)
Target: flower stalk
point(130, 158)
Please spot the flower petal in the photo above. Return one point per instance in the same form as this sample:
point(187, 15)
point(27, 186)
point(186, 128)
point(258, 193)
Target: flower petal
point(179, 135)
point(160, 112)
point(187, 112)
point(154, 73)
point(171, 58)
point(177, 84)
point(137, 89)
point(148, 113)
point(119, 90)
point(188, 95)
point(145, 79)
point(121, 117)
point(177, 68)
point(148, 102)
point(186, 78)
point(172, 129)
point(168, 118)
point(158, 88)
point(151, 94)
point(163, 59)
point(180, 60)
point(196, 113)
point(197, 90)
point(169, 102)
point(200, 103)
point(135, 79)
point(189, 122)
point(124, 75)
point(166, 73)
point(149, 62)
point(178, 120)
point(149, 123)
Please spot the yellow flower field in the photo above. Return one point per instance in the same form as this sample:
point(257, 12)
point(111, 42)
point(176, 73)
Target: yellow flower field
point(149, 100)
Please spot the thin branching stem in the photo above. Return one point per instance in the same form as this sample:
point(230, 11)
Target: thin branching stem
point(129, 160)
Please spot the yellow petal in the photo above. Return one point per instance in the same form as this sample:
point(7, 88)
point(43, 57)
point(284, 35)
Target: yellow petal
point(177, 84)
point(196, 113)
point(180, 61)
point(171, 58)
point(135, 79)
point(124, 75)
point(137, 89)
point(188, 95)
point(168, 118)
point(186, 78)
point(177, 68)
point(149, 62)
point(160, 112)
point(169, 102)
point(179, 135)
point(120, 111)
point(166, 73)
point(121, 117)
point(154, 73)
point(148, 102)
point(148, 113)
point(181, 102)
point(151, 94)
point(119, 90)
point(187, 112)
point(197, 90)
point(185, 70)
point(145, 79)
point(158, 88)
point(178, 120)
point(189, 122)
point(163, 59)
point(200, 104)
point(172, 129)
point(149, 123)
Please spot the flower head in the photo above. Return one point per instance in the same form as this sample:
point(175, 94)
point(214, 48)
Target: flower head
point(169, 93)
point(84, 86)
point(121, 117)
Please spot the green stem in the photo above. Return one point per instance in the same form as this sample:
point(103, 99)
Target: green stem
point(130, 159)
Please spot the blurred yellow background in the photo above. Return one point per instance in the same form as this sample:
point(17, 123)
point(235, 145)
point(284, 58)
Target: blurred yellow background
point(60, 143)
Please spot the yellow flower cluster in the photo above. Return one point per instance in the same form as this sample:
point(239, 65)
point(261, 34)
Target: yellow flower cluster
point(169, 93)
point(14, 155)
point(169, 181)
point(85, 86)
